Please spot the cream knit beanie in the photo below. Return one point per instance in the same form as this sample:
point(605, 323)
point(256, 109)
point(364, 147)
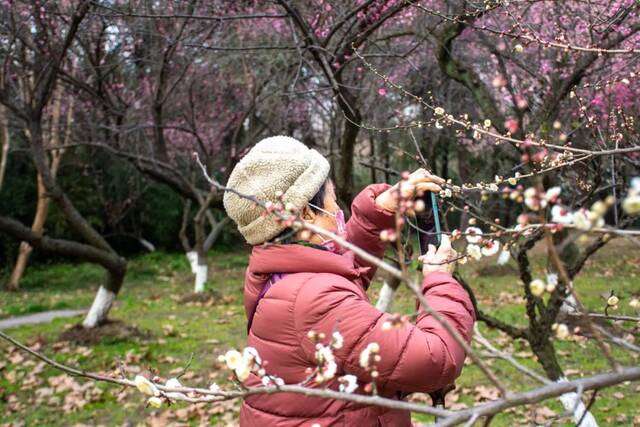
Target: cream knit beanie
point(278, 163)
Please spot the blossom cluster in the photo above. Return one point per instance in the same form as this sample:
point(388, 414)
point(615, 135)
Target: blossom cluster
point(243, 363)
point(369, 359)
point(538, 287)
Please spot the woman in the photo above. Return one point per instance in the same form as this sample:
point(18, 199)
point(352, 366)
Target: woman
point(307, 283)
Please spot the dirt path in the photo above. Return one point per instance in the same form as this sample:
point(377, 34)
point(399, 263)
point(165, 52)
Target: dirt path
point(32, 319)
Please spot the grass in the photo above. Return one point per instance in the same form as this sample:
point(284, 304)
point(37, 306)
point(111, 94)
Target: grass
point(150, 300)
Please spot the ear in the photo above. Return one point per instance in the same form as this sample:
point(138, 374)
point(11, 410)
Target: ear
point(308, 214)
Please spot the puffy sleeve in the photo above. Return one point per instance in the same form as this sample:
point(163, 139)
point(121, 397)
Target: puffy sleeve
point(366, 222)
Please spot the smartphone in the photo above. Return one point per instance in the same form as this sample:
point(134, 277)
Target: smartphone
point(428, 221)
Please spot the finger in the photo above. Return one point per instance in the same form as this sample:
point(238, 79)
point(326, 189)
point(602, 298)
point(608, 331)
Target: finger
point(445, 244)
point(431, 252)
point(422, 175)
point(423, 187)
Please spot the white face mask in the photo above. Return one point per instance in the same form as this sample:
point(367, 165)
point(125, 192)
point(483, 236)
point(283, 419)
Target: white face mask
point(341, 231)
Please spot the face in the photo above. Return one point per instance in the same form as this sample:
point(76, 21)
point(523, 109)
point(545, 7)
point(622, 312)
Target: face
point(321, 219)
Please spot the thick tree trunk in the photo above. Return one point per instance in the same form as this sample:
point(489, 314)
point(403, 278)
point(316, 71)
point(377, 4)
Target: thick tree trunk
point(116, 266)
point(42, 207)
point(107, 293)
point(25, 250)
point(344, 182)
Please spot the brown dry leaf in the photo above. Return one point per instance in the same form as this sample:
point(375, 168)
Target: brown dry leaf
point(542, 414)
point(572, 371)
point(482, 392)
point(622, 418)
point(11, 376)
point(618, 395)
point(16, 358)
point(168, 330)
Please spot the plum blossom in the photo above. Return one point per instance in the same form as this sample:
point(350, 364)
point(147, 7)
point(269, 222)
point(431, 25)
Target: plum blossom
point(473, 234)
point(232, 358)
point(146, 386)
point(560, 330)
point(348, 383)
point(369, 354)
point(327, 361)
point(154, 402)
point(552, 194)
point(337, 340)
point(533, 200)
point(474, 251)
point(585, 220)
point(490, 248)
point(537, 287)
point(242, 363)
point(561, 215)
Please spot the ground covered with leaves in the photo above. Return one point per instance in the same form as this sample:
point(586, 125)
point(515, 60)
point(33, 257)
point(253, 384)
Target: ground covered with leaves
point(158, 325)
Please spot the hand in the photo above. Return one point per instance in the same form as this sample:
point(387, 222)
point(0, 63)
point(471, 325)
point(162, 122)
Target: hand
point(419, 182)
point(439, 260)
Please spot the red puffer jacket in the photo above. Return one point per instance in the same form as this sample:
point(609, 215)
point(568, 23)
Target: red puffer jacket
point(323, 291)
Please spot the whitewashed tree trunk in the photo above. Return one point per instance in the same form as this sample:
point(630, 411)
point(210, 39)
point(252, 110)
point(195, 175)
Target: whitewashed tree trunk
point(200, 268)
point(192, 256)
point(571, 401)
point(100, 308)
point(385, 299)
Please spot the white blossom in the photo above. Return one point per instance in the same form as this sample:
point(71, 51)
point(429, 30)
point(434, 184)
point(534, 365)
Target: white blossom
point(613, 301)
point(154, 402)
point(561, 215)
point(490, 248)
point(585, 220)
point(634, 303)
point(474, 251)
point(326, 359)
point(552, 194)
point(473, 234)
point(250, 354)
point(337, 340)
point(348, 383)
point(146, 386)
point(243, 370)
point(561, 330)
point(537, 287)
point(365, 355)
point(532, 199)
point(232, 358)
